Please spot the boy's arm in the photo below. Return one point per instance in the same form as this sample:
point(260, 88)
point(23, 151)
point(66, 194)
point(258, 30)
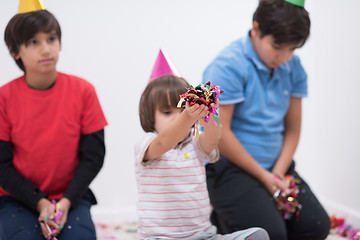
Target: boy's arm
point(291, 137)
point(232, 149)
point(209, 139)
point(91, 155)
point(13, 182)
point(175, 131)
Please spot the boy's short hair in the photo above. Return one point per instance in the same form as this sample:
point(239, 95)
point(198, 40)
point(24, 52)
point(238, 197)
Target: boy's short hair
point(22, 27)
point(286, 22)
point(161, 93)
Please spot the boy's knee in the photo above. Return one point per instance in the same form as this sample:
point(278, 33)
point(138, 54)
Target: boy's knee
point(322, 229)
point(325, 229)
point(78, 231)
point(80, 234)
point(319, 231)
point(277, 233)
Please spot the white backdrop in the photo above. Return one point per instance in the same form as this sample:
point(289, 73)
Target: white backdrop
point(114, 43)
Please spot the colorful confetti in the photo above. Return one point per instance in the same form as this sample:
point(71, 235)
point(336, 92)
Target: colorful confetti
point(124, 231)
point(201, 94)
point(343, 229)
point(289, 200)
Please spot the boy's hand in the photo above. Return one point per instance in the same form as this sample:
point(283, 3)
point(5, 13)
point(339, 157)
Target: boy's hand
point(53, 216)
point(274, 184)
point(62, 208)
point(46, 217)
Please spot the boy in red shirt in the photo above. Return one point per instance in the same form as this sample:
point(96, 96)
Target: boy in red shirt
point(51, 137)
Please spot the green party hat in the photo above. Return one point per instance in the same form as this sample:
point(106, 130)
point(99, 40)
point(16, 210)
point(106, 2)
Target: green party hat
point(299, 3)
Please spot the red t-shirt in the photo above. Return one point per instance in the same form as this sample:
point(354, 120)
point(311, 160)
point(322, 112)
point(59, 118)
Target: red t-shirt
point(44, 127)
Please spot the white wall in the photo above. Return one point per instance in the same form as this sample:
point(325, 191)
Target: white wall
point(114, 44)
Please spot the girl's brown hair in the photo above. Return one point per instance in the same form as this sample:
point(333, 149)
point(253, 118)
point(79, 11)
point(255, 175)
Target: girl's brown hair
point(22, 27)
point(161, 93)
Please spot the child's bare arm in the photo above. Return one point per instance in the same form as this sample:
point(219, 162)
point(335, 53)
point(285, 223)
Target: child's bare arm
point(209, 139)
point(175, 131)
point(291, 137)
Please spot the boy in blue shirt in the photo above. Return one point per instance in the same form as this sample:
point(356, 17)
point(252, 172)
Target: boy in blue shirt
point(263, 83)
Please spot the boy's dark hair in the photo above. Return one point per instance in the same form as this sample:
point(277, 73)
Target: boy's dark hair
point(22, 27)
point(160, 94)
point(286, 22)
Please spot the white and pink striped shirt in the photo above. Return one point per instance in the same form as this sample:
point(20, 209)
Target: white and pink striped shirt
point(173, 198)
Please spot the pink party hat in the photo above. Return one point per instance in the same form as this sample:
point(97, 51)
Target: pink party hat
point(163, 66)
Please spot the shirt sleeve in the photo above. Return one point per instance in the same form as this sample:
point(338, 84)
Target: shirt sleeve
point(91, 155)
point(13, 182)
point(229, 73)
point(299, 78)
point(93, 118)
point(141, 147)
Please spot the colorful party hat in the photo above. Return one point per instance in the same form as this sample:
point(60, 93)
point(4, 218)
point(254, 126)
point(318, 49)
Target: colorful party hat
point(299, 3)
point(163, 66)
point(31, 6)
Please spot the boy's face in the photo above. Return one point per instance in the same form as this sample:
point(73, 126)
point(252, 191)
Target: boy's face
point(40, 54)
point(269, 52)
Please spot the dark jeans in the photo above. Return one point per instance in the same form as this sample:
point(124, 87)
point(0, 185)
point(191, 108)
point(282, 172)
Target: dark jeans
point(18, 222)
point(241, 201)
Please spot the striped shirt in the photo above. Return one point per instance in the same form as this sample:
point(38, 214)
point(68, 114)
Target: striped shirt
point(173, 197)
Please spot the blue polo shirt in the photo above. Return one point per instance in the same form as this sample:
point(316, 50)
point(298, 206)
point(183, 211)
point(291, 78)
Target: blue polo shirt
point(261, 100)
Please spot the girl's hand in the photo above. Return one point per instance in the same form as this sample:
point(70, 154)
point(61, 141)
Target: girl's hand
point(62, 208)
point(275, 183)
point(215, 104)
point(46, 218)
point(196, 111)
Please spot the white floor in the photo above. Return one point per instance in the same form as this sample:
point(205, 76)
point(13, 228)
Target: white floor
point(110, 225)
point(127, 231)
point(335, 237)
